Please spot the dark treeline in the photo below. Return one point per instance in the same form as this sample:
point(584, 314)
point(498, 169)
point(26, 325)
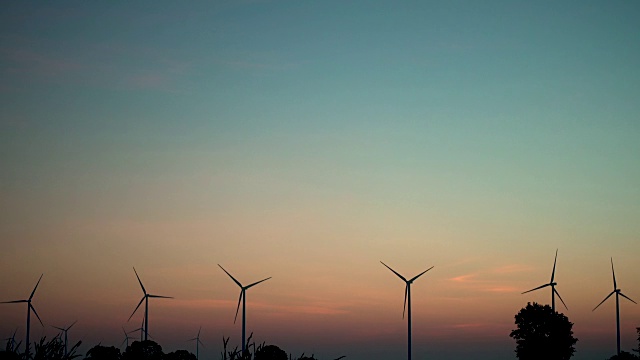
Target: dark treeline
point(54, 349)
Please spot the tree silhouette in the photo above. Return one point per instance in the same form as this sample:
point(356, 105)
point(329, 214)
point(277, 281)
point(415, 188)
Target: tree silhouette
point(624, 356)
point(100, 352)
point(143, 350)
point(543, 334)
point(270, 352)
point(179, 355)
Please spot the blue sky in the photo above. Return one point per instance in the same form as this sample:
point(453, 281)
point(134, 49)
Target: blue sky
point(314, 133)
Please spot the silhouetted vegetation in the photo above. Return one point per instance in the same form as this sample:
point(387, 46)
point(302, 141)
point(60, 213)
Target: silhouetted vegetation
point(100, 352)
point(543, 334)
point(623, 356)
point(144, 350)
point(179, 355)
point(44, 350)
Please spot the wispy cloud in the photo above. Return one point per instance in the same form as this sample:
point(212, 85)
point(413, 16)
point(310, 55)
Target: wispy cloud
point(512, 268)
point(105, 65)
point(491, 279)
point(310, 309)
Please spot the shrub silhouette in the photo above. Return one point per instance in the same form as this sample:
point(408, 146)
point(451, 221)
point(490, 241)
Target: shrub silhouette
point(100, 352)
point(624, 356)
point(179, 355)
point(270, 352)
point(143, 350)
point(543, 334)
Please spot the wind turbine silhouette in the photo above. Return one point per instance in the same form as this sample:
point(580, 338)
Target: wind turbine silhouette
point(553, 284)
point(127, 337)
point(145, 298)
point(12, 340)
point(407, 296)
point(141, 330)
point(618, 293)
point(65, 331)
point(29, 308)
point(242, 298)
point(197, 340)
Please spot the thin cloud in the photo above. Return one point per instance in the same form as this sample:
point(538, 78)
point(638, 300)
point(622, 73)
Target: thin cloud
point(513, 268)
point(464, 278)
point(311, 309)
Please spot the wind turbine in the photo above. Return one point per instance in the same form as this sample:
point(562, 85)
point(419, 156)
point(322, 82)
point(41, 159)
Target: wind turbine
point(407, 296)
point(145, 298)
point(127, 337)
point(553, 284)
point(29, 308)
point(65, 331)
point(242, 298)
point(197, 340)
point(141, 330)
point(12, 340)
point(618, 293)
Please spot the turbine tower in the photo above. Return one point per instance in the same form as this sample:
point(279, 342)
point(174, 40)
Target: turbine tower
point(618, 293)
point(65, 330)
point(242, 298)
point(553, 284)
point(197, 340)
point(29, 309)
point(407, 302)
point(145, 298)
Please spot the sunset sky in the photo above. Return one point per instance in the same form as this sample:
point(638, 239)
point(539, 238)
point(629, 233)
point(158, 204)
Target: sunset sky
point(307, 141)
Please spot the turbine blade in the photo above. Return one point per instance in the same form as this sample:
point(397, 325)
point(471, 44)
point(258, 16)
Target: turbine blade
point(134, 311)
point(605, 299)
point(35, 312)
point(61, 329)
point(199, 332)
point(71, 325)
point(417, 276)
point(34, 289)
point(14, 301)
point(160, 296)
point(256, 283)
point(232, 278)
point(560, 297)
point(238, 308)
point(201, 343)
point(404, 307)
point(400, 276)
point(140, 281)
point(539, 287)
point(553, 273)
point(125, 332)
point(628, 298)
point(615, 286)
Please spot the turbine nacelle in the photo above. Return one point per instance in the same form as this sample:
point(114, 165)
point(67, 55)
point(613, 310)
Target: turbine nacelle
point(242, 299)
point(553, 285)
point(618, 293)
point(407, 282)
point(145, 298)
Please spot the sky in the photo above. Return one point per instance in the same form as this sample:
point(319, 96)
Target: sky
point(308, 141)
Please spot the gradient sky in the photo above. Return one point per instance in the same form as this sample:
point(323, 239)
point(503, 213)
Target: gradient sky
point(308, 140)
